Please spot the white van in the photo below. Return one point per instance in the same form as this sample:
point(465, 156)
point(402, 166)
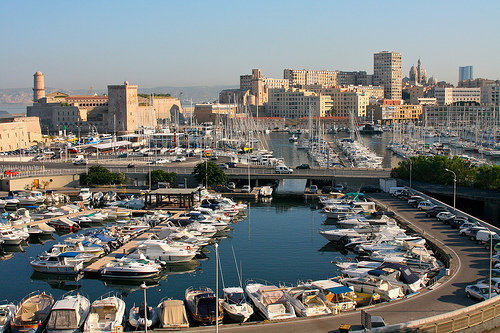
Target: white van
point(283, 169)
point(483, 236)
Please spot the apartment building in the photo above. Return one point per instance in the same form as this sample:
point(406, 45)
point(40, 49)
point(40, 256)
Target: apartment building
point(445, 96)
point(387, 72)
point(297, 103)
point(305, 77)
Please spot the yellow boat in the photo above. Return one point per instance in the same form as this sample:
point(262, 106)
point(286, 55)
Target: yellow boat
point(365, 299)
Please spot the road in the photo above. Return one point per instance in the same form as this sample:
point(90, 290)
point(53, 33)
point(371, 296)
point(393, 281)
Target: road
point(471, 264)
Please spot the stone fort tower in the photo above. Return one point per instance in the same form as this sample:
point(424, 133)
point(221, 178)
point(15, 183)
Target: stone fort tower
point(39, 87)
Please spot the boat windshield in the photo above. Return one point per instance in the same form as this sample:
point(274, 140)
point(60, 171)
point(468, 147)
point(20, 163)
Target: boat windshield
point(62, 319)
point(235, 298)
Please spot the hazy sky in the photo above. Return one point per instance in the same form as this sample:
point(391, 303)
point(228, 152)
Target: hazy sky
point(78, 44)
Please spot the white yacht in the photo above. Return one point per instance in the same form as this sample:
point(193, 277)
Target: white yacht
point(308, 302)
point(235, 304)
point(106, 315)
point(64, 263)
point(7, 311)
point(85, 194)
point(270, 301)
point(266, 191)
point(127, 269)
point(157, 249)
point(68, 314)
point(372, 285)
point(9, 237)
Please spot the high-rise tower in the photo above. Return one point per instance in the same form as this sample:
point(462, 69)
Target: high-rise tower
point(39, 87)
point(387, 72)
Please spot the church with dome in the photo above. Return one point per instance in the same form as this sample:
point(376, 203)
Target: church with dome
point(418, 75)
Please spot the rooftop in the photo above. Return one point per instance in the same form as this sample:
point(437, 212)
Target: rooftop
point(175, 191)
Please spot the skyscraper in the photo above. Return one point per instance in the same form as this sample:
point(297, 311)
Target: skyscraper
point(465, 73)
point(387, 72)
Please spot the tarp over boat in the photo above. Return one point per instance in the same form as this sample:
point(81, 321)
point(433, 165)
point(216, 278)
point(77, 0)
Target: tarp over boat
point(173, 314)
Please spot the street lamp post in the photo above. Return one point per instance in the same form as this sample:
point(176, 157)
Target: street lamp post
point(144, 287)
point(454, 188)
point(411, 166)
point(216, 287)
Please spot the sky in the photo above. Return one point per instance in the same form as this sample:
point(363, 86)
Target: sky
point(78, 44)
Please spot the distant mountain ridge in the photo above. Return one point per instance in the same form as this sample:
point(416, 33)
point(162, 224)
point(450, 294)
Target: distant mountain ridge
point(198, 94)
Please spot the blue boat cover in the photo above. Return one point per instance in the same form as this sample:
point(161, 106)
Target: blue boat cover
point(69, 254)
point(89, 244)
point(104, 238)
point(340, 290)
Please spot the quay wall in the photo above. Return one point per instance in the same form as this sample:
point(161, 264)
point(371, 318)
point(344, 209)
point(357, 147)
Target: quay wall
point(40, 182)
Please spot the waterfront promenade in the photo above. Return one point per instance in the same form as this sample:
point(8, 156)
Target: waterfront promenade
point(469, 262)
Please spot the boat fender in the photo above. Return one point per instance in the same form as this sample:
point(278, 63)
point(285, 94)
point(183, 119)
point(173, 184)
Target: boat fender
point(348, 259)
point(188, 248)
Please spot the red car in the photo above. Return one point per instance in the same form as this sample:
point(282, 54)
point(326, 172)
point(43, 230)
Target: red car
point(11, 173)
point(73, 150)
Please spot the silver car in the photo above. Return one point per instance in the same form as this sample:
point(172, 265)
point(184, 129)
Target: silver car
point(480, 291)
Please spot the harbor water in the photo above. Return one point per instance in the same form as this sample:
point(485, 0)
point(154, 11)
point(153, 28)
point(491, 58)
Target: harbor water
point(277, 242)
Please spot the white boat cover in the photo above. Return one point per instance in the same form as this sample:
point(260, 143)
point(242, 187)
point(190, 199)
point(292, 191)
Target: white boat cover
point(173, 314)
point(270, 294)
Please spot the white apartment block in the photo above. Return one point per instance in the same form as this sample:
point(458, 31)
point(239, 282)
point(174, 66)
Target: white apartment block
point(297, 103)
point(309, 77)
point(446, 96)
point(271, 83)
point(387, 72)
point(344, 100)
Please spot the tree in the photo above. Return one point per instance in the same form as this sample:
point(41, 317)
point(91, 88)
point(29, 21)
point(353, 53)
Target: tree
point(99, 175)
point(209, 172)
point(158, 176)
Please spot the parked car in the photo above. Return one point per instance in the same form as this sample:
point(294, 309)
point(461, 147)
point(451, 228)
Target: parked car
point(377, 321)
point(443, 216)
point(425, 205)
point(161, 161)
point(457, 221)
point(328, 189)
point(313, 189)
point(73, 150)
point(10, 173)
point(370, 189)
point(474, 231)
point(495, 283)
point(303, 166)
point(223, 189)
point(479, 291)
point(124, 155)
point(131, 165)
point(414, 200)
point(180, 159)
point(223, 166)
point(435, 210)
point(231, 185)
point(231, 164)
point(245, 189)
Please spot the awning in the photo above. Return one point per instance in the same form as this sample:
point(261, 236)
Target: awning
point(340, 290)
point(69, 254)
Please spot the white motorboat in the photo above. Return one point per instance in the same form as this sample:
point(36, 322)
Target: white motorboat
point(116, 213)
point(64, 263)
point(141, 316)
point(41, 229)
point(3, 203)
point(266, 191)
point(336, 235)
point(24, 198)
point(7, 311)
point(32, 313)
point(157, 249)
point(106, 315)
point(39, 196)
point(85, 194)
point(64, 224)
point(202, 305)
point(9, 237)
point(235, 305)
point(68, 314)
point(127, 269)
point(307, 302)
point(270, 301)
point(339, 297)
point(98, 217)
point(372, 285)
point(172, 314)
